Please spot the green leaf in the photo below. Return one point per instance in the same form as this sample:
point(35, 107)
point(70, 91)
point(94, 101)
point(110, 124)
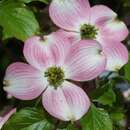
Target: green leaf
point(28, 119)
point(117, 115)
point(17, 21)
point(28, 1)
point(104, 95)
point(96, 119)
point(108, 98)
point(127, 69)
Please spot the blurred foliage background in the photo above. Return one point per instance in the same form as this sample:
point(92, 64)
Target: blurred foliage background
point(20, 19)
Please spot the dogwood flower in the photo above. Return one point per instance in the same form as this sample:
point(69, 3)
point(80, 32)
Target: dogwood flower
point(82, 22)
point(52, 61)
point(4, 119)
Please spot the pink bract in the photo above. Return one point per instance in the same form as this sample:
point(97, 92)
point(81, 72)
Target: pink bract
point(48, 54)
point(71, 15)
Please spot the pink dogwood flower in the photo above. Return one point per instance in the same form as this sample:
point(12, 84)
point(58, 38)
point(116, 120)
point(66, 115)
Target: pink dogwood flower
point(82, 22)
point(52, 61)
point(4, 119)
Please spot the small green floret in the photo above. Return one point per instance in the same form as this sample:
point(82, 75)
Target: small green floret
point(88, 31)
point(55, 76)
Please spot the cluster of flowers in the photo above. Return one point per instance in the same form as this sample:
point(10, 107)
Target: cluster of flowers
point(88, 43)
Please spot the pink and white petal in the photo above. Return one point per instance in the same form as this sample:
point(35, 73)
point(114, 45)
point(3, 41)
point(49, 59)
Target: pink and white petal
point(23, 81)
point(45, 52)
point(116, 54)
point(4, 119)
point(68, 14)
point(55, 104)
point(85, 61)
point(67, 102)
point(72, 36)
point(0, 118)
point(60, 48)
point(101, 14)
point(37, 53)
point(115, 30)
point(77, 100)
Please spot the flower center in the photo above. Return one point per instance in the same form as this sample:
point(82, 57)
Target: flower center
point(55, 76)
point(88, 31)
